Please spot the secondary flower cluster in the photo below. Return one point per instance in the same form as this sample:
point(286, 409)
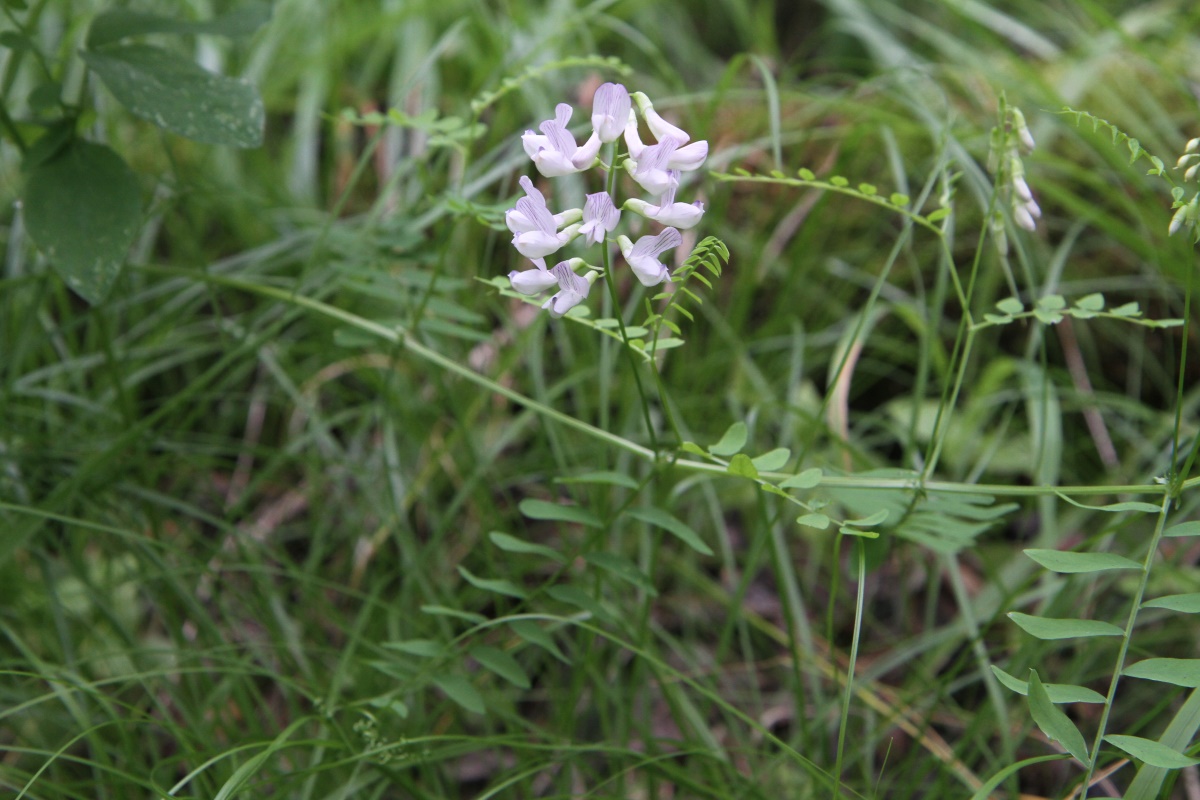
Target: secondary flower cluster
point(1005, 154)
point(538, 233)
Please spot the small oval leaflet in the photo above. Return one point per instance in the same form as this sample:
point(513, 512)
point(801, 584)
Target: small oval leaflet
point(1059, 628)
point(1070, 562)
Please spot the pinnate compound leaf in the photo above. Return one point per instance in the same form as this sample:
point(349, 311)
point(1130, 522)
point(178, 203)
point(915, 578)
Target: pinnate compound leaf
point(501, 663)
point(1070, 562)
point(804, 480)
point(497, 585)
point(540, 509)
point(676, 527)
point(742, 466)
point(512, 544)
point(1053, 722)
point(1052, 628)
point(772, 461)
point(1183, 529)
point(733, 440)
point(1058, 692)
point(83, 208)
point(460, 690)
point(1184, 603)
point(180, 96)
point(1177, 671)
point(1153, 753)
point(533, 633)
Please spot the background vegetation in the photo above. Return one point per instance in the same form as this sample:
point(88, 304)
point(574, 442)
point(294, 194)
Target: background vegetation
point(250, 517)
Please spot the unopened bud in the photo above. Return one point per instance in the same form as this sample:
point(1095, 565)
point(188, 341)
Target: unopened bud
point(1192, 144)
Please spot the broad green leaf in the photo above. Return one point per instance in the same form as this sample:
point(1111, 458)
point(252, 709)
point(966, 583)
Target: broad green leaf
point(1150, 751)
point(607, 476)
point(83, 208)
point(444, 611)
point(533, 633)
point(818, 521)
point(866, 522)
point(804, 480)
point(460, 690)
point(1183, 529)
point(426, 648)
point(116, 24)
point(772, 461)
point(624, 569)
point(1177, 671)
point(501, 663)
point(497, 585)
point(180, 96)
point(985, 791)
point(1184, 603)
point(540, 509)
point(1053, 722)
point(1011, 305)
point(732, 441)
point(1058, 692)
point(1051, 628)
point(1178, 736)
point(574, 596)
point(1070, 562)
point(1091, 302)
point(512, 544)
point(742, 466)
point(1115, 508)
point(676, 527)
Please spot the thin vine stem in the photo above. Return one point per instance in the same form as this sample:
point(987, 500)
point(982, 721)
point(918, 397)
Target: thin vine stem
point(859, 606)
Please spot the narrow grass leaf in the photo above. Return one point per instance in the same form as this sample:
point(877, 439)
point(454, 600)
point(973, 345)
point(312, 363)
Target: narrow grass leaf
point(1069, 562)
point(1183, 529)
point(676, 527)
point(1177, 671)
point(1058, 628)
point(497, 585)
point(426, 648)
point(444, 611)
point(741, 466)
point(535, 634)
point(624, 569)
point(985, 791)
point(1058, 692)
point(804, 480)
point(772, 461)
point(540, 509)
point(1053, 722)
point(512, 544)
point(866, 534)
point(574, 596)
point(1151, 752)
point(732, 441)
point(817, 520)
point(610, 477)
point(460, 690)
point(1184, 603)
point(501, 663)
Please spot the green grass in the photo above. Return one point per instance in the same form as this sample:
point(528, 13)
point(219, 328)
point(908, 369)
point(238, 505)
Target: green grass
point(249, 504)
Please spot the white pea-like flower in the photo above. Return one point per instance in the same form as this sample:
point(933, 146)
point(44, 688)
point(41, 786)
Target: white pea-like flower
point(685, 157)
point(532, 281)
point(610, 110)
point(537, 235)
point(600, 217)
point(642, 256)
point(555, 152)
point(572, 289)
point(519, 222)
point(652, 171)
point(668, 212)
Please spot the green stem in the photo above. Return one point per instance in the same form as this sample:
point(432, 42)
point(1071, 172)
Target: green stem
point(1134, 608)
point(859, 605)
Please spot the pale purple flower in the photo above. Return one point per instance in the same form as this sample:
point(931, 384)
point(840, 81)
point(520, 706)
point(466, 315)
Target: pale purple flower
point(643, 255)
point(659, 126)
point(555, 152)
point(518, 222)
point(651, 170)
point(600, 217)
point(537, 236)
point(572, 289)
point(610, 109)
point(685, 157)
point(668, 212)
point(532, 281)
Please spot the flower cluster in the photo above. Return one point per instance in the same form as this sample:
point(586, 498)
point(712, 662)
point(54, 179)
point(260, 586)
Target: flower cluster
point(656, 168)
point(1186, 213)
point(1005, 155)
